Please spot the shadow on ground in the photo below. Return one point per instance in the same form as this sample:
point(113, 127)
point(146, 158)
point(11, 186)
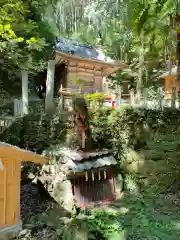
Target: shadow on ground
point(149, 216)
point(36, 200)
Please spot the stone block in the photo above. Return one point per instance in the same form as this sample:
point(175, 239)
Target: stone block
point(10, 232)
point(63, 194)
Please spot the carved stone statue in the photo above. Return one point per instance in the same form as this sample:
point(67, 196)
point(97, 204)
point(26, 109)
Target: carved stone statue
point(81, 123)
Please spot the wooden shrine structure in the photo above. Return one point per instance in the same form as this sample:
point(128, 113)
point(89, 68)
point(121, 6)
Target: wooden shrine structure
point(89, 168)
point(74, 66)
point(170, 82)
point(10, 177)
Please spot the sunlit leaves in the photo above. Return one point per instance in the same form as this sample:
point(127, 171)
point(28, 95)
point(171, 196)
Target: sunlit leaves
point(21, 39)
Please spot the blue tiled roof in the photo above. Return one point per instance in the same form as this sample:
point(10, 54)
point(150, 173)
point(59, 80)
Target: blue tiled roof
point(81, 50)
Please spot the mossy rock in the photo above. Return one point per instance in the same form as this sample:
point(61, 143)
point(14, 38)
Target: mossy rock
point(153, 154)
point(145, 168)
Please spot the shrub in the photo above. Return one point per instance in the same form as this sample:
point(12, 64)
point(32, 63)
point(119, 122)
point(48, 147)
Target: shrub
point(95, 99)
point(104, 226)
point(101, 129)
point(100, 224)
point(132, 128)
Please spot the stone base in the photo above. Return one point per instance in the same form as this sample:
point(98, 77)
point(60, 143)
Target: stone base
point(10, 232)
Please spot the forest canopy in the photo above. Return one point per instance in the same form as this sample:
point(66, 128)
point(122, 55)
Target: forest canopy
point(140, 33)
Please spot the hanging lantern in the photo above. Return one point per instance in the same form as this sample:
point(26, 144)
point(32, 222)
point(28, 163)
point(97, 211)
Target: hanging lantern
point(99, 175)
point(86, 176)
point(105, 175)
point(92, 175)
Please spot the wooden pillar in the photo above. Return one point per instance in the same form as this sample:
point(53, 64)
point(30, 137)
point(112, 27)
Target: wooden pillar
point(69, 80)
point(24, 92)
point(98, 83)
point(104, 87)
point(61, 103)
point(118, 96)
point(173, 98)
point(132, 97)
point(49, 100)
point(71, 77)
point(145, 97)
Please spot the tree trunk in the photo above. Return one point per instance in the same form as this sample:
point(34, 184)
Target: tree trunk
point(132, 97)
point(176, 25)
point(170, 40)
point(178, 57)
point(24, 92)
point(49, 100)
point(141, 69)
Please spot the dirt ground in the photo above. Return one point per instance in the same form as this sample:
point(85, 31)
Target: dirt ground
point(143, 217)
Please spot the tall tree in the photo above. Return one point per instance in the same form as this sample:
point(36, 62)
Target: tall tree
point(134, 31)
point(23, 41)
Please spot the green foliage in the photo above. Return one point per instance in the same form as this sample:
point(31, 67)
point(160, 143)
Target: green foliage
point(99, 224)
point(133, 128)
point(150, 217)
point(101, 129)
point(139, 136)
point(35, 132)
point(12, 134)
point(95, 99)
point(22, 42)
point(104, 226)
point(134, 31)
point(146, 143)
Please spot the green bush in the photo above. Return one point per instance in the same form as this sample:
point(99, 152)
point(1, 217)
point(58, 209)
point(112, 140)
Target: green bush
point(100, 224)
point(117, 129)
point(95, 99)
point(104, 226)
point(35, 132)
point(101, 129)
point(140, 137)
point(135, 128)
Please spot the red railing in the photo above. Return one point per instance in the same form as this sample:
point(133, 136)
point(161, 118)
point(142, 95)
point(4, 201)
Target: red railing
point(96, 187)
